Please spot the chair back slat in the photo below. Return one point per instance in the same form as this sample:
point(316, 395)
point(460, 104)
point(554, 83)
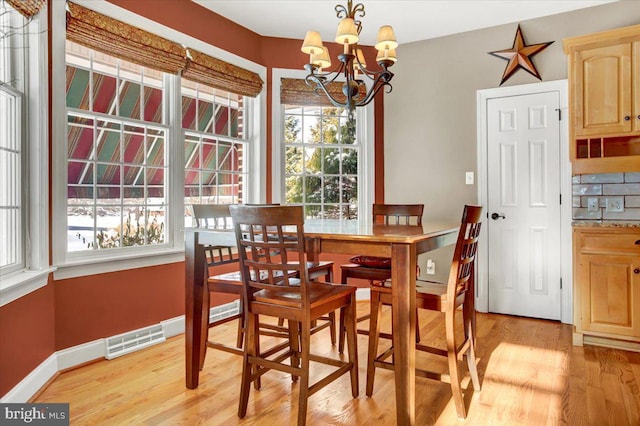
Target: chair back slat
point(398, 214)
point(216, 217)
point(463, 264)
point(270, 243)
point(212, 216)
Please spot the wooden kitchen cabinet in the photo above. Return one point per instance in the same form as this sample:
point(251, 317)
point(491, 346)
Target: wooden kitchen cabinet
point(607, 286)
point(604, 101)
point(603, 90)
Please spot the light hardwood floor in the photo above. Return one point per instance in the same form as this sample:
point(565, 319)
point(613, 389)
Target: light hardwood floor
point(529, 371)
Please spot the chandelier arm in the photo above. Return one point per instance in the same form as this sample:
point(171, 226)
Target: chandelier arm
point(377, 85)
point(371, 74)
point(378, 77)
point(337, 71)
point(320, 85)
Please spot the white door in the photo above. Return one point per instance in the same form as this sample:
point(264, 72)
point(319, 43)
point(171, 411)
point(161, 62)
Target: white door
point(523, 205)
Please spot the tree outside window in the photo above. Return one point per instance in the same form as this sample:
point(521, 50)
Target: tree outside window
point(321, 161)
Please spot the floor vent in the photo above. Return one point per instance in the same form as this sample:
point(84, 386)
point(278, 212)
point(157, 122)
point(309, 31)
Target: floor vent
point(224, 311)
point(133, 341)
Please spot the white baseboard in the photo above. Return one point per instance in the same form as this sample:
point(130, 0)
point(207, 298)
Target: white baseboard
point(77, 355)
point(33, 382)
point(174, 326)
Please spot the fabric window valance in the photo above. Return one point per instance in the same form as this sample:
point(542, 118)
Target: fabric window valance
point(116, 38)
point(27, 8)
point(295, 91)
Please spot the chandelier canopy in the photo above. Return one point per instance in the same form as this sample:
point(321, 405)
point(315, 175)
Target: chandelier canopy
point(352, 63)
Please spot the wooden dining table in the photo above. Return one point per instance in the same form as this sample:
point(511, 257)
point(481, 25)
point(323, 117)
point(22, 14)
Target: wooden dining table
point(401, 243)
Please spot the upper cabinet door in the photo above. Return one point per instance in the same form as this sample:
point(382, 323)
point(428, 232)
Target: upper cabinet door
point(603, 92)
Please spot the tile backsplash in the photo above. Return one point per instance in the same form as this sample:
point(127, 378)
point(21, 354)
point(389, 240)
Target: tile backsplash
point(618, 189)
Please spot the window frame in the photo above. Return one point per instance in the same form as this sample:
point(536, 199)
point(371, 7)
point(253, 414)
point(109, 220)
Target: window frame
point(173, 251)
point(34, 273)
point(364, 133)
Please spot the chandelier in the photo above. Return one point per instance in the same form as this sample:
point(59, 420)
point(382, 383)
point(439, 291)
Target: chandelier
point(352, 63)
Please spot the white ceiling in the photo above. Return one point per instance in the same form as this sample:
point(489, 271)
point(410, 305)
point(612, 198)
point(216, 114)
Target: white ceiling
point(412, 20)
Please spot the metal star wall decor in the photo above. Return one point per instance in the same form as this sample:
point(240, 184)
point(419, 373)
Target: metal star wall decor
point(519, 56)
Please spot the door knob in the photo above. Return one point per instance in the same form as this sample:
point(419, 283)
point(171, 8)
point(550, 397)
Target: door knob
point(495, 216)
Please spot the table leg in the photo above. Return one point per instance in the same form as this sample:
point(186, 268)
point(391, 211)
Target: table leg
point(312, 248)
point(193, 303)
point(403, 279)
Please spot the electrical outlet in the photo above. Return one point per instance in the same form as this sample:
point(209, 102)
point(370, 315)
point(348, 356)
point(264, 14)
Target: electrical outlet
point(615, 204)
point(592, 204)
point(431, 267)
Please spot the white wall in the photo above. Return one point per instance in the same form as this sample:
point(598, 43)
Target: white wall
point(430, 116)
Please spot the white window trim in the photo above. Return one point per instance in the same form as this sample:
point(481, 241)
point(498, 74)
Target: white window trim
point(365, 130)
point(37, 270)
point(174, 250)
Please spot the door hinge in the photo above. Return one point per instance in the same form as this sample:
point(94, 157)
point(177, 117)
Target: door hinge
point(559, 114)
point(560, 198)
point(560, 283)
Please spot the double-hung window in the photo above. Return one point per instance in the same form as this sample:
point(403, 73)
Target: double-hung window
point(215, 145)
point(325, 155)
point(24, 263)
point(321, 154)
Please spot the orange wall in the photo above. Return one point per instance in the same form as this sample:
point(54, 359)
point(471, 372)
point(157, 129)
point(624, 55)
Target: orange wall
point(27, 336)
point(70, 312)
point(97, 306)
point(191, 19)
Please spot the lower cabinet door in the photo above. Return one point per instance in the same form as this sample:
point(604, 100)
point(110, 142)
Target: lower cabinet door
point(610, 296)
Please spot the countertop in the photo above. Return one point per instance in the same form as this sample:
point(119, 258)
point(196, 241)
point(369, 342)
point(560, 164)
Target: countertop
point(606, 224)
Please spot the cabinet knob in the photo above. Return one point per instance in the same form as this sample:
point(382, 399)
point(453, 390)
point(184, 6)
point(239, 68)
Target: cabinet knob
point(638, 242)
point(638, 116)
point(627, 118)
point(636, 271)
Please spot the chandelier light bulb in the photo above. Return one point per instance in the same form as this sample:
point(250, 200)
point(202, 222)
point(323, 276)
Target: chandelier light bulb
point(387, 55)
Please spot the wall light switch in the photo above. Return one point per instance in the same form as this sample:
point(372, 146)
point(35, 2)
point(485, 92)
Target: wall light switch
point(592, 204)
point(615, 204)
point(468, 178)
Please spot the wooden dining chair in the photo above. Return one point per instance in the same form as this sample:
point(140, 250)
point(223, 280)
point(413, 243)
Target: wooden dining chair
point(373, 268)
point(277, 232)
point(457, 293)
point(218, 217)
